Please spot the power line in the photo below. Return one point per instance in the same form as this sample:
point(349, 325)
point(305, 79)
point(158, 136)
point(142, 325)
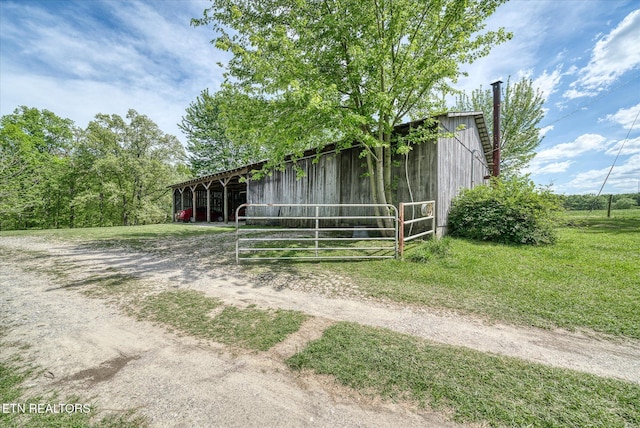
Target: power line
point(593, 101)
point(619, 151)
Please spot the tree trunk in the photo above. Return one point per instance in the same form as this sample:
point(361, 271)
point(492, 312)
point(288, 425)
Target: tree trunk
point(376, 168)
point(125, 214)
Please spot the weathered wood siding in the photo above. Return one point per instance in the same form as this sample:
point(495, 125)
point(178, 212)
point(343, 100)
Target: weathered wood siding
point(460, 164)
point(434, 171)
point(319, 185)
point(420, 167)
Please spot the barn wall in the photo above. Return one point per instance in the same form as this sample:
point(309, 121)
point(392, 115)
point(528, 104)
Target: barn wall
point(318, 185)
point(435, 172)
point(457, 158)
point(420, 167)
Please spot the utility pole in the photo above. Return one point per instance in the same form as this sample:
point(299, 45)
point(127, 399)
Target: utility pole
point(497, 96)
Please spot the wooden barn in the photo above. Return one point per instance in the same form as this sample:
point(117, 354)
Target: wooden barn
point(429, 172)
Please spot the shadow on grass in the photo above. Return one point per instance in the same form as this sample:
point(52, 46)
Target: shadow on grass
point(113, 282)
point(606, 225)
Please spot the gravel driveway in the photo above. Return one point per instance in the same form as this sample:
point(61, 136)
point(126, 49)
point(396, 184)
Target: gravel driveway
point(89, 348)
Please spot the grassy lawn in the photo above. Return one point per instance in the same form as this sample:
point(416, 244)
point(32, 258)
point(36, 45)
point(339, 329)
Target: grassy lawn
point(474, 387)
point(590, 278)
point(192, 313)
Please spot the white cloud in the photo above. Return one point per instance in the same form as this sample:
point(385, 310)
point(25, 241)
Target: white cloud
point(573, 93)
point(612, 56)
point(571, 70)
point(527, 21)
point(623, 179)
point(626, 117)
point(148, 58)
point(584, 143)
point(544, 131)
point(81, 100)
point(551, 168)
point(548, 83)
point(630, 147)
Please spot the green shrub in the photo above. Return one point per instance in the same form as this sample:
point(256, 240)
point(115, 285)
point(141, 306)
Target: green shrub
point(625, 204)
point(507, 211)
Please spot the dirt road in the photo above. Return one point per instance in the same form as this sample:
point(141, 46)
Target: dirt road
point(89, 348)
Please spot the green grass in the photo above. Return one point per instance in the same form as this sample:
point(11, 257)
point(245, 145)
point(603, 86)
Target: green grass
point(602, 214)
point(119, 235)
point(473, 386)
point(303, 251)
point(192, 313)
point(589, 279)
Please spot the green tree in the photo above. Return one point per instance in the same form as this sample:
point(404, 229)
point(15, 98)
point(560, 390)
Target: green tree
point(520, 114)
point(584, 202)
point(625, 203)
point(35, 188)
point(131, 164)
point(210, 150)
point(311, 72)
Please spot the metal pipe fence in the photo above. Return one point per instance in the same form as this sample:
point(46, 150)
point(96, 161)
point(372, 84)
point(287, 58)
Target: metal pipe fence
point(427, 212)
point(316, 232)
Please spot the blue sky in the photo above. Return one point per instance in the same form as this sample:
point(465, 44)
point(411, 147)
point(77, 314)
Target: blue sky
point(80, 58)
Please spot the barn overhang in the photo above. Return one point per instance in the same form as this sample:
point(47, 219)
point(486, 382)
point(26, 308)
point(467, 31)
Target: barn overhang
point(214, 195)
point(483, 133)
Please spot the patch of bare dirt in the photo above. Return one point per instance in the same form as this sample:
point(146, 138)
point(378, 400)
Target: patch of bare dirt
point(91, 349)
point(104, 372)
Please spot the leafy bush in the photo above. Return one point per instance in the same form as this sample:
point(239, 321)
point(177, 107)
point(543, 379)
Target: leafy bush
point(625, 204)
point(507, 211)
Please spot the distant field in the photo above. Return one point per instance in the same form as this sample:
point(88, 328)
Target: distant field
point(602, 214)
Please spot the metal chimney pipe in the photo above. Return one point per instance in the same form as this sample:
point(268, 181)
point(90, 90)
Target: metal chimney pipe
point(497, 95)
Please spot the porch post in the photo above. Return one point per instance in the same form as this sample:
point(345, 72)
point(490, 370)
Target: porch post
point(173, 205)
point(193, 205)
point(206, 186)
point(225, 202)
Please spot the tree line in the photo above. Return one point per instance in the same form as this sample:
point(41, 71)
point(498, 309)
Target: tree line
point(116, 171)
point(621, 201)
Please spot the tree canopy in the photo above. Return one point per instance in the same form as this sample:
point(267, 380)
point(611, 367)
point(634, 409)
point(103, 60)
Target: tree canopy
point(311, 72)
point(210, 150)
point(35, 148)
point(54, 174)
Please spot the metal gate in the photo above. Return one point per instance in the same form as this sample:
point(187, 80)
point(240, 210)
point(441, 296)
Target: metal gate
point(316, 231)
point(427, 213)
